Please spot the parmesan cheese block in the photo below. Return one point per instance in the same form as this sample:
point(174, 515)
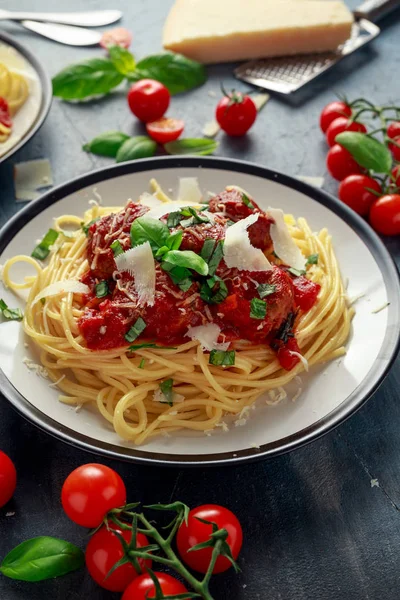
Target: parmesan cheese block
point(214, 31)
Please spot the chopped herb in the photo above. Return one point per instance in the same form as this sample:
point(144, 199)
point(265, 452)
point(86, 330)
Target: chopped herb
point(43, 300)
point(117, 248)
point(195, 217)
point(212, 252)
point(142, 363)
point(312, 259)
point(135, 330)
point(42, 250)
point(207, 249)
point(258, 309)
point(173, 219)
point(229, 223)
point(246, 200)
point(101, 289)
point(149, 345)
point(11, 314)
point(166, 388)
point(296, 272)
point(265, 289)
point(222, 358)
point(285, 331)
point(86, 227)
point(185, 285)
point(174, 240)
point(211, 295)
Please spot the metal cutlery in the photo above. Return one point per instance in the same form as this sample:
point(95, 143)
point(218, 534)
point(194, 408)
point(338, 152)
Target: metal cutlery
point(93, 18)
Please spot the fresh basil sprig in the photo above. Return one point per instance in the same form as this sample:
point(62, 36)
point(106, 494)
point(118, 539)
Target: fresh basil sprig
point(185, 258)
point(42, 558)
point(136, 147)
point(198, 146)
point(122, 59)
point(106, 144)
point(146, 229)
point(366, 151)
point(93, 77)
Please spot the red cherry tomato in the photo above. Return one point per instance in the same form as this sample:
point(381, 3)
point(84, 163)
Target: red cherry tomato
point(5, 118)
point(148, 100)
point(90, 492)
point(395, 150)
point(353, 191)
point(104, 550)
point(342, 124)
point(142, 588)
point(236, 113)
point(340, 163)
point(8, 479)
point(196, 532)
point(394, 129)
point(396, 175)
point(119, 36)
point(165, 129)
point(286, 358)
point(384, 215)
point(332, 111)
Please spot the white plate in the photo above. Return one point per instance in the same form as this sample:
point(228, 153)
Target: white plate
point(330, 393)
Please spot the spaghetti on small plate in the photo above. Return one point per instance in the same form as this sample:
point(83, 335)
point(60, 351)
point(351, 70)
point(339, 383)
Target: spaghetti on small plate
point(174, 315)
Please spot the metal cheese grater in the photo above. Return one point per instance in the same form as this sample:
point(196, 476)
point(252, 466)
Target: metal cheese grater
point(287, 74)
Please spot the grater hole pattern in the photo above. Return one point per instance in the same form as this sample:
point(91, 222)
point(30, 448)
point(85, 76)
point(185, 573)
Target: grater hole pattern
point(289, 70)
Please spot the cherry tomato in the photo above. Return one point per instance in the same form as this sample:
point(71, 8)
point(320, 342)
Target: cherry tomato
point(5, 118)
point(332, 111)
point(236, 113)
point(340, 163)
point(394, 129)
point(353, 192)
point(396, 175)
point(342, 124)
point(384, 215)
point(8, 479)
point(90, 492)
point(196, 532)
point(104, 550)
point(395, 150)
point(148, 100)
point(142, 588)
point(119, 36)
point(165, 129)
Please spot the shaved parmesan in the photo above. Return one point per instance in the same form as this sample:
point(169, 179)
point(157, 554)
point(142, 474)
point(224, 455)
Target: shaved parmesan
point(150, 200)
point(284, 245)
point(62, 287)
point(139, 263)
point(189, 190)
point(211, 129)
point(207, 335)
point(168, 207)
point(229, 188)
point(238, 251)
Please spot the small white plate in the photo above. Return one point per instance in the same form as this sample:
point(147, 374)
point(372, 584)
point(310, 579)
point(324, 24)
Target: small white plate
point(330, 393)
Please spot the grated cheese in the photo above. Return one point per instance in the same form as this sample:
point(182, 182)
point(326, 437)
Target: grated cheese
point(301, 357)
point(284, 245)
point(167, 207)
point(62, 287)
point(208, 336)
point(238, 251)
point(32, 366)
point(377, 310)
point(139, 263)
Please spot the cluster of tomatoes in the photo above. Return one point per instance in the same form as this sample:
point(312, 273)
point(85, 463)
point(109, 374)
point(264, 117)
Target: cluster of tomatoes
point(358, 189)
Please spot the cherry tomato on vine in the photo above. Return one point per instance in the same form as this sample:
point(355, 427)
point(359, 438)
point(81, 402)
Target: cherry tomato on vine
point(354, 191)
point(143, 587)
point(236, 113)
point(340, 163)
point(396, 175)
point(90, 491)
point(332, 111)
point(5, 118)
point(104, 550)
point(165, 129)
point(8, 478)
point(196, 532)
point(393, 129)
point(395, 150)
point(384, 215)
point(148, 100)
point(342, 124)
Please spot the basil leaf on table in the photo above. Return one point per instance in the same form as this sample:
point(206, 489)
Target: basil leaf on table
point(198, 146)
point(176, 72)
point(122, 59)
point(186, 258)
point(136, 147)
point(89, 78)
point(366, 151)
point(146, 229)
point(42, 558)
point(107, 143)
point(10, 314)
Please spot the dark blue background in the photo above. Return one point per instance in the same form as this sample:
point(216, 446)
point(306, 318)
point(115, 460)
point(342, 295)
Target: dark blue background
point(314, 527)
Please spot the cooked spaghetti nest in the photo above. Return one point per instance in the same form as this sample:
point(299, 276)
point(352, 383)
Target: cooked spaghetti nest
point(122, 385)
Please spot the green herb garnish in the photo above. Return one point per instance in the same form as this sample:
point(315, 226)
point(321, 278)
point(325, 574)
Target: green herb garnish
point(265, 289)
point(246, 200)
point(222, 358)
point(146, 229)
point(142, 363)
point(214, 290)
point(166, 388)
point(135, 330)
point(312, 259)
point(101, 289)
point(296, 272)
point(86, 227)
point(258, 309)
point(11, 314)
point(42, 250)
point(185, 258)
point(117, 248)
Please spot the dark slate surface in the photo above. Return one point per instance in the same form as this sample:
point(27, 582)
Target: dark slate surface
point(314, 526)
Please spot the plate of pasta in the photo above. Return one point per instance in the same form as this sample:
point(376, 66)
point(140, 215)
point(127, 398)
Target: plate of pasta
point(192, 311)
point(25, 95)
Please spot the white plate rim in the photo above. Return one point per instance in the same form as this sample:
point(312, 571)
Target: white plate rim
point(349, 406)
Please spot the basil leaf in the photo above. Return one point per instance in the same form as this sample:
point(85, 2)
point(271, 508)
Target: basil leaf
point(312, 259)
point(88, 78)
point(258, 309)
point(161, 251)
point(166, 388)
point(188, 259)
point(222, 357)
point(176, 72)
point(117, 248)
point(265, 289)
point(246, 200)
point(174, 219)
point(136, 147)
point(285, 331)
point(42, 558)
point(147, 229)
point(135, 330)
point(42, 250)
point(86, 226)
point(102, 289)
point(198, 146)
point(122, 59)
point(216, 258)
point(106, 144)
point(11, 314)
point(366, 151)
point(209, 294)
point(174, 240)
point(149, 345)
point(185, 284)
point(207, 249)
point(296, 272)
point(142, 363)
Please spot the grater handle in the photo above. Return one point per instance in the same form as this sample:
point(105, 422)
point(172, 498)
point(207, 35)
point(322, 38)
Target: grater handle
point(373, 10)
